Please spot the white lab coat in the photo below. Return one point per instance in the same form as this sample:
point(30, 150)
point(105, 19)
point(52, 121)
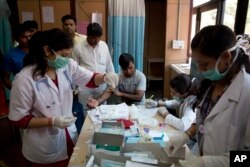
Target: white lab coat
point(185, 112)
point(29, 96)
point(227, 127)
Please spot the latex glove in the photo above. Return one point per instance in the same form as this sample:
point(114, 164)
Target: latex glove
point(192, 161)
point(149, 103)
point(111, 79)
point(63, 121)
point(163, 111)
point(175, 142)
point(161, 103)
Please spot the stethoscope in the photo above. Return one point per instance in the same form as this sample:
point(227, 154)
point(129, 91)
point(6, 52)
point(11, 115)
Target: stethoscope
point(46, 82)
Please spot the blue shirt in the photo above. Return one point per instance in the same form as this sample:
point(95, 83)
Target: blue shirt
point(13, 60)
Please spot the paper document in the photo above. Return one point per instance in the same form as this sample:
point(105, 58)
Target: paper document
point(136, 164)
point(150, 112)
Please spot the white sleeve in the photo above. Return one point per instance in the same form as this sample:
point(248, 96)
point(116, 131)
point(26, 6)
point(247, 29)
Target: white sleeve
point(80, 75)
point(75, 54)
point(182, 123)
point(21, 99)
point(142, 82)
point(218, 161)
point(110, 66)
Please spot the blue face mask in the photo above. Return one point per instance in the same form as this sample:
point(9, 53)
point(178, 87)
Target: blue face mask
point(59, 62)
point(214, 74)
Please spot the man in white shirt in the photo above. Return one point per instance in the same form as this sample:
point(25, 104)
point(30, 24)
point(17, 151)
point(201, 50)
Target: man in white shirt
point(132, 84)
point(69, 26)
point(94, 55)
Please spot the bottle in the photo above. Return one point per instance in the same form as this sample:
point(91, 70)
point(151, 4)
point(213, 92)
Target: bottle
point(134, 113)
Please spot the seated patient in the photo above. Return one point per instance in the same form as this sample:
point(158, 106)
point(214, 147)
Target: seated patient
point(183, 89)
point(131, 87)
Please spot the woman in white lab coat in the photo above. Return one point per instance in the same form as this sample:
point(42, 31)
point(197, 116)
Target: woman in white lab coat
point(222, 121)
point(183, 89)
point(41, 98)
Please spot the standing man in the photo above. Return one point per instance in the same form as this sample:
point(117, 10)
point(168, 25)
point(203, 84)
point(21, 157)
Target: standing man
point(69, 26)
point(13, 59)
point(32, 24)
point(131, 87)
point(94, 55)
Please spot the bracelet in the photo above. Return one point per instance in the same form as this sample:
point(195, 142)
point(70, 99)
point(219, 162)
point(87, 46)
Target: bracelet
point(50, 121)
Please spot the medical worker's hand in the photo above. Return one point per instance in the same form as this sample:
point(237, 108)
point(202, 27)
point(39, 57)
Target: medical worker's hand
point(63, 121)
point(161, 103)
point(92, 103)
point(149, 103)
point(111, 79)
point(192, 161)
point(176, 142)
point(163, 111)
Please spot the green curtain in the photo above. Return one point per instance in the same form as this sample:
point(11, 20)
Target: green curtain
point(5, 32)
point(5, 28)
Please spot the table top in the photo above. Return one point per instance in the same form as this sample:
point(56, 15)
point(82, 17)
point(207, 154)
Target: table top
point(80, 152)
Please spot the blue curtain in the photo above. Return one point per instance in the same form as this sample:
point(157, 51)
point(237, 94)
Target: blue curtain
point(126, 22)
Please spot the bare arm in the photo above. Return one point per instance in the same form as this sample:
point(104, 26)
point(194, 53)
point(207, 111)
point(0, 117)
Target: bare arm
point(6, 79)
point(190, 132)
point(137, 96)
point(92, 103)
point(40, 122)
point(99, 79)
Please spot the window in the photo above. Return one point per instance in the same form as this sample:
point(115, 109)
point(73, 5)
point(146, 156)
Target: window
point(230, 12)
point(199, 2)
point(193, 26)
point(208, 18)
point(247, 26)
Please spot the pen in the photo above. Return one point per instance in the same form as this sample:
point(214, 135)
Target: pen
point(151, 96)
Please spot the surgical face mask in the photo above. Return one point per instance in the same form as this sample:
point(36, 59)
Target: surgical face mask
point(214, 74)
point(59, 62)
point(178, 98)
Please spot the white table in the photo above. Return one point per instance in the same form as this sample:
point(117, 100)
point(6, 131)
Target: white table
point(78, 158)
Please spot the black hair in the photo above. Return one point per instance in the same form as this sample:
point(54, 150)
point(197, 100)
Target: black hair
point(19, 30)
point(183, 84)
point(55, 39)
point(68, 17)
point(94, 29)
point(125, 59)
point(212, 41)
point(31, 23)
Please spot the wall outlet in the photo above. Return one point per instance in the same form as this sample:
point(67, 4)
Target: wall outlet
point(178, 44)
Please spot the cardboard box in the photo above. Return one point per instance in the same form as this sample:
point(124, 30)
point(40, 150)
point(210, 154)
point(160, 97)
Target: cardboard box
point(158, 152)
point(99, 156)
point(112, 124)
point(106, 143)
